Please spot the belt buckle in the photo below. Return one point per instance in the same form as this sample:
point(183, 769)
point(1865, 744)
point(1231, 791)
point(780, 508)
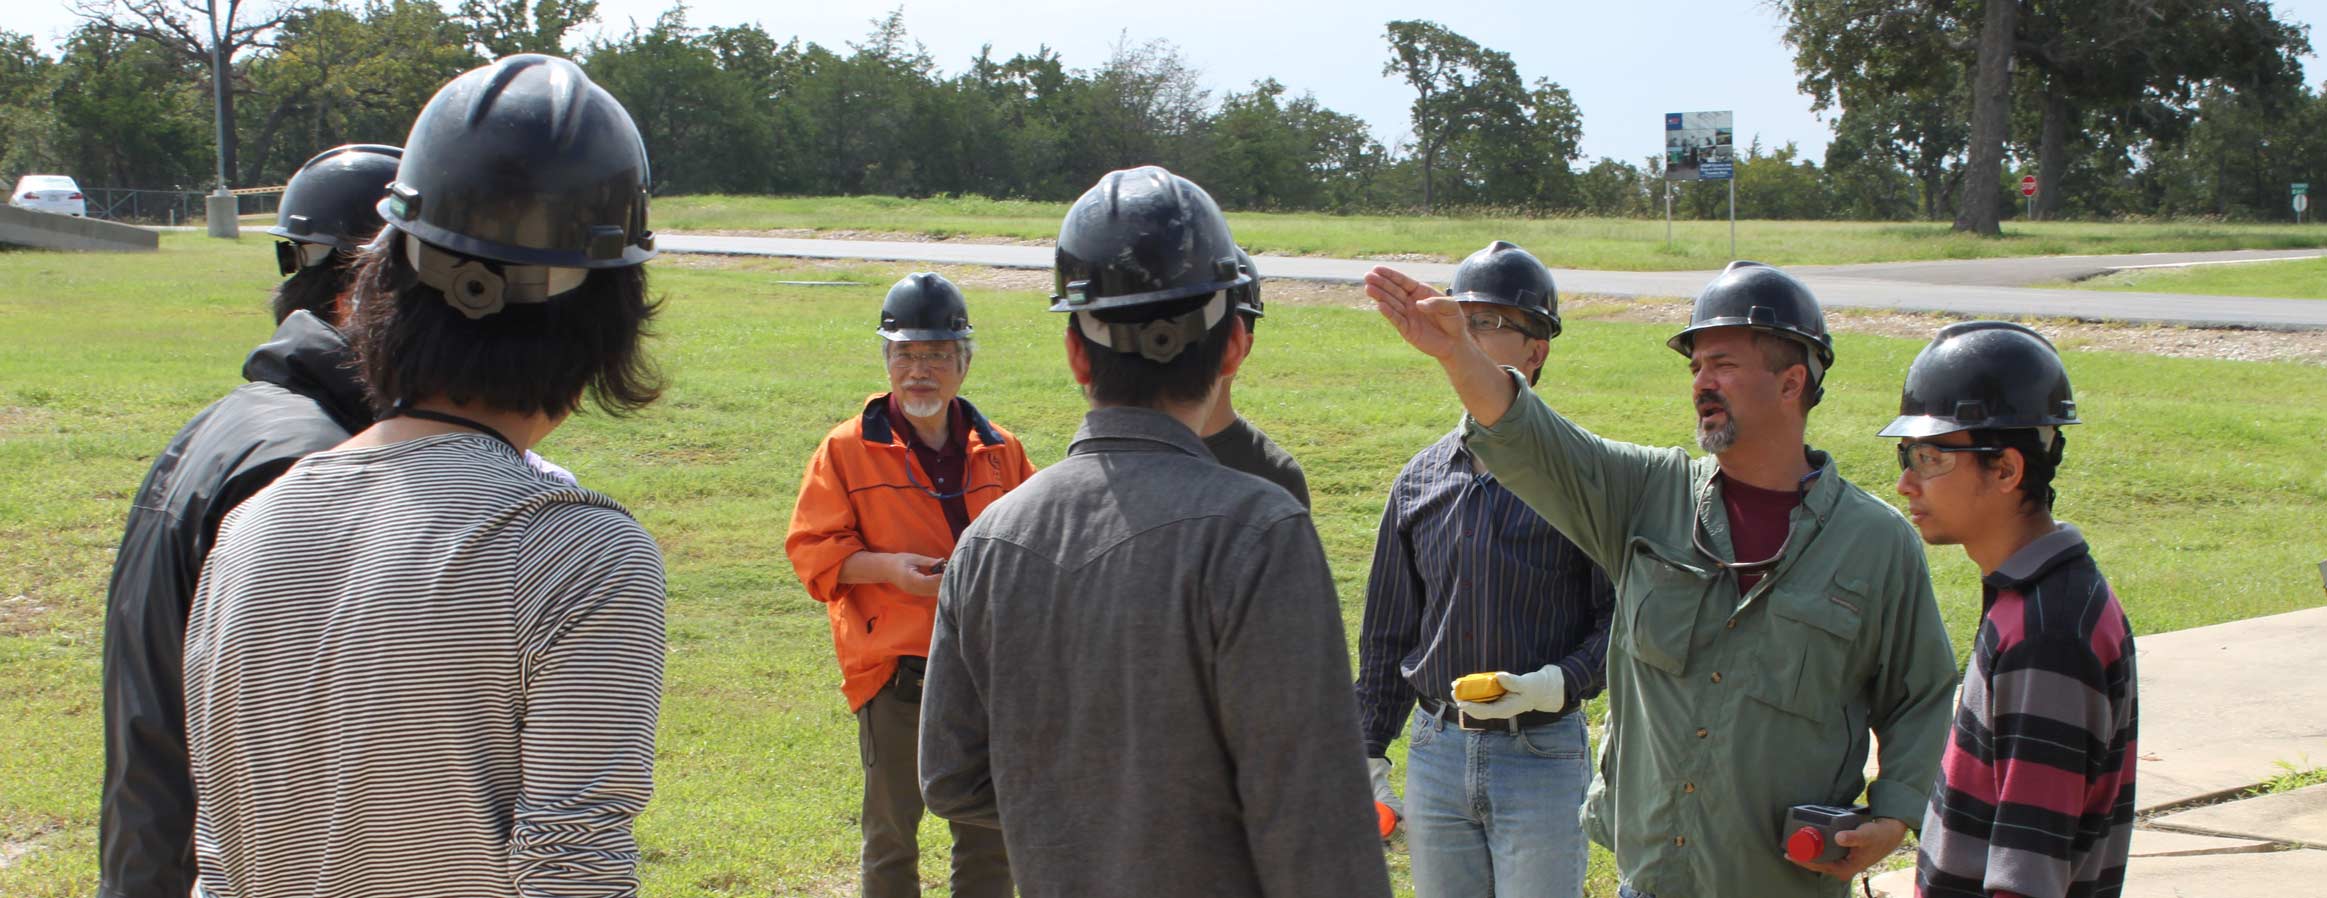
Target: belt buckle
point(1469, 724)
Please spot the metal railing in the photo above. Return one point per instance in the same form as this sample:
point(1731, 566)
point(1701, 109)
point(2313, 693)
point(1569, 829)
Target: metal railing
point(170, 207)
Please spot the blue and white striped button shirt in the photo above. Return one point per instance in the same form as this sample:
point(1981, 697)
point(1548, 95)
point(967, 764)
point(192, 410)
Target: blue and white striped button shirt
point(1466, 579)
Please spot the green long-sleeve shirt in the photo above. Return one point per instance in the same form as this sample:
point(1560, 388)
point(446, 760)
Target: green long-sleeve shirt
point(1724, 710)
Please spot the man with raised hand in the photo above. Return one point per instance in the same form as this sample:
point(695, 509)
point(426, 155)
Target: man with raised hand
point(1769, 614)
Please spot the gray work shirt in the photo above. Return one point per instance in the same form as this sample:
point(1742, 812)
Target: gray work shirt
point(1139, 673)
point(1245, 448)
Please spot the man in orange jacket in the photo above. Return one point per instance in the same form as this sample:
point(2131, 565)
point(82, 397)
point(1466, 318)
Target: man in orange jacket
point(883, 500)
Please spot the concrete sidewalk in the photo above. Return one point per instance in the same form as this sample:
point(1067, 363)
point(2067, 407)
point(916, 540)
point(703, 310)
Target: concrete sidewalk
point(2222, 709)
point(1905, 287)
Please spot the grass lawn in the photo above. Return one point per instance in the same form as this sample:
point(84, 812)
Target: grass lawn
point(1616, 244)
point(2198, 481)
point(2297, 279)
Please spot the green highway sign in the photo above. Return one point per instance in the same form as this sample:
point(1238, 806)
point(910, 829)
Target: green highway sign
point(2300, 188)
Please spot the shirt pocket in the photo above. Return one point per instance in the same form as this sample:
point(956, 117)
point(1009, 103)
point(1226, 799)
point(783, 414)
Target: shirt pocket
point(1814, 632)
point(1657, 606)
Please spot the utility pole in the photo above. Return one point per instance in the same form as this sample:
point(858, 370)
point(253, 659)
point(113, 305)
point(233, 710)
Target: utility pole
point(220, 206)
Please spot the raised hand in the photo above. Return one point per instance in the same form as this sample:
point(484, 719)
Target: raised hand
point(1427, 320)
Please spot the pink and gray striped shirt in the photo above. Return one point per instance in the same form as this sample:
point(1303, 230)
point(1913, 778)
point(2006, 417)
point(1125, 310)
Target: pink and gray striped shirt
point(2035, 791)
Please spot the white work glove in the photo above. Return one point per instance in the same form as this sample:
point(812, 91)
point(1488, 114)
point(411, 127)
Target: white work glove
point(1380, 768)
point(1543, 690)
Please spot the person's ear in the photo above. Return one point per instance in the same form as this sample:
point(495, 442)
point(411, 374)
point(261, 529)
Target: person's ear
point(1538, 351)
point(1078, 358)
point(1239, 346)
point(2011, 468)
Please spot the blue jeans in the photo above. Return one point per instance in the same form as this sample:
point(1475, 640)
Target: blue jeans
point(1494, 813)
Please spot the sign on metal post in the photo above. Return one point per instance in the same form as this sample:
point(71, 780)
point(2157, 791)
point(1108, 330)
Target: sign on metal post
point(1699, 146)
point(2028, 197)
point(2028, 185)
point(2302, 192)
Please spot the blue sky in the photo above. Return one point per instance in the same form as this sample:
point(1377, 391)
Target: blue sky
point(1626, 63)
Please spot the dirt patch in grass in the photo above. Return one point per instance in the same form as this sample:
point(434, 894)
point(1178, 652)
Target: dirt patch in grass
point(23, 615)
point(17, 419)
point(14, 849)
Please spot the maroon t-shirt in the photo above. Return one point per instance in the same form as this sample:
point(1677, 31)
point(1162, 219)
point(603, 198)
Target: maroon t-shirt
point(946, 466)
point(1757, 523)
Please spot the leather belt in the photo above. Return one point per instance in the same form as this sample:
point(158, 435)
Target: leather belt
point(1450, 713)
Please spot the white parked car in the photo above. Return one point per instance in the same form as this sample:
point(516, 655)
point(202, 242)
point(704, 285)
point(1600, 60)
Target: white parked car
point(49, 193)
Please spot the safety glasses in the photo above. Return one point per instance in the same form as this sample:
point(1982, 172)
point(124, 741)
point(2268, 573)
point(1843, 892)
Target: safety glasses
point(1930, 460)
point(1489, 322)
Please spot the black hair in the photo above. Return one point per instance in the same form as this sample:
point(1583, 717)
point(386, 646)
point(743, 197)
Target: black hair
point(314, 288)
point(2037, 463)
point(527, 358)
point(1780, 353)
point(1120, 378)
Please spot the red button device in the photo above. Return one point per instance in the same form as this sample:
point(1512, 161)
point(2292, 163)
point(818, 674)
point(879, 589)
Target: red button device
point(1385, 819)
point(1805, 845)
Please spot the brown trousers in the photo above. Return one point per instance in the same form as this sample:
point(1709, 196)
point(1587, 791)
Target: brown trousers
point(888, 738)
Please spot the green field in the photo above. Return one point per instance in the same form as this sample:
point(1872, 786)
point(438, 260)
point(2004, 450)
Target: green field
point(2198, 481)
point(1614, 244)
point(2299, 279)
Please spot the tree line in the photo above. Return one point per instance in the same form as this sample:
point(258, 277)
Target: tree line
point(2198, 111)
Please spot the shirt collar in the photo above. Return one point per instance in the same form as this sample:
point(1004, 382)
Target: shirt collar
point(2035, 558)
point(1130, 424)
point(877, 422)
point(957, 428)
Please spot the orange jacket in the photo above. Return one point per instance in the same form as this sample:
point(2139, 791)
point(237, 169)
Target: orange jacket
point(856, 497)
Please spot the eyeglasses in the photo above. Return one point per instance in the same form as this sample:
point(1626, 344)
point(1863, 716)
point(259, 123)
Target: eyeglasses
point(1930, 460)
point(1489, 322)
point(935, 358)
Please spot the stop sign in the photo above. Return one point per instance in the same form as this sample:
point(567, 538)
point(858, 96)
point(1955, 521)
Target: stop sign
point(2028, 185)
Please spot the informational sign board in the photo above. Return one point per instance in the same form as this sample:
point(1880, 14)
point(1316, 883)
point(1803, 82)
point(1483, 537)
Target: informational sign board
point(2299, 188)
point(2028, 185)
point(2302, 203)
point(1699, 146)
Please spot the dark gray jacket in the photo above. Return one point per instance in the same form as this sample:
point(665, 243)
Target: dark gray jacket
point(300, 399)
point(1139, 673)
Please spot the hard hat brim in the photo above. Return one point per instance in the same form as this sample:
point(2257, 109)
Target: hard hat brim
point(922, 335)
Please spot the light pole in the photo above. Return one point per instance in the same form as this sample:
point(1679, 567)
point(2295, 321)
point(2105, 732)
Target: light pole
point(220, 206)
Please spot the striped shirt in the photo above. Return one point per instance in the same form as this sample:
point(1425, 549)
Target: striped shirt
point(423, 669)
point(2035, 792)
point(1468, 579)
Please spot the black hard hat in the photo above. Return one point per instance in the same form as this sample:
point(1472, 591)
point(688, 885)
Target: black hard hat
point(524, 161)
point(924, 306)
point(1505, 275)
point(1143, 236)
point(1984, 375)
point(1248, 297)
point(1751, 294)
point(334, 199)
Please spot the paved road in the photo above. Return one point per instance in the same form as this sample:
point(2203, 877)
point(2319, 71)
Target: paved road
point(2029, 270)
point(1959, 288)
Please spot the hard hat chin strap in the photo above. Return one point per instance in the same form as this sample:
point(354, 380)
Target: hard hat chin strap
point(479, 288)
point(1160, 340)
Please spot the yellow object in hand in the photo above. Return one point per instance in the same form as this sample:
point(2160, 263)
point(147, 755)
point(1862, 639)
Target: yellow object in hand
point(1478, 687)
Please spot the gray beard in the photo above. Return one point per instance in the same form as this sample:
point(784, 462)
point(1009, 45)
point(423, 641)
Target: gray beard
point(922, 408)
point(1717, 440)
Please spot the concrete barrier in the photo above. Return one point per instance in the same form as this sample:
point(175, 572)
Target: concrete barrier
point(47, 230)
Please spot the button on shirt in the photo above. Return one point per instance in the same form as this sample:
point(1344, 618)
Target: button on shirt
point(1468, 579)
